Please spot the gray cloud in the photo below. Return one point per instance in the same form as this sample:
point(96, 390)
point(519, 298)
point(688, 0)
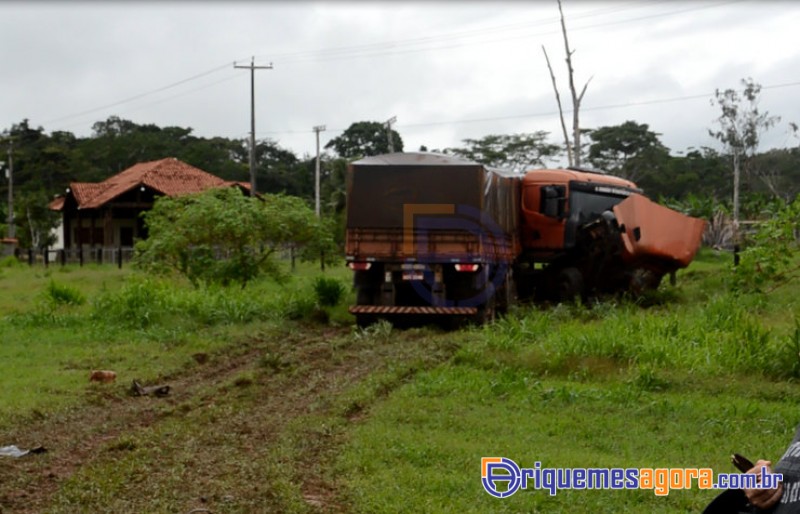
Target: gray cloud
point(426, 63)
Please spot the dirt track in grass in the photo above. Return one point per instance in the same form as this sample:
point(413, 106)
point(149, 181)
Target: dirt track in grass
point(255, 428)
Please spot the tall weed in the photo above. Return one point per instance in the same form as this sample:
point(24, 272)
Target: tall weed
point(60, 294)
point(723, 336)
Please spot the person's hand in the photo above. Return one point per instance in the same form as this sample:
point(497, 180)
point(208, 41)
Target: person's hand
point(763, 498)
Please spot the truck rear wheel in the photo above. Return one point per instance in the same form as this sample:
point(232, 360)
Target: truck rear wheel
point(486, 313)
point(569, 285)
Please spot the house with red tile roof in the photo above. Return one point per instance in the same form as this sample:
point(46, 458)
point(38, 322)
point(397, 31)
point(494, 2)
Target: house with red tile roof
point(107, 213)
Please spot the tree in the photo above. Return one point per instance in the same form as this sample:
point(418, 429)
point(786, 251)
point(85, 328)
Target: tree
point(700, 172)
point(574, 148)
point(630, 150)
point(221, 236)
point(515, 152)
point(364, 138)
point(740, 128)
point(280, 171)
point(35, 221)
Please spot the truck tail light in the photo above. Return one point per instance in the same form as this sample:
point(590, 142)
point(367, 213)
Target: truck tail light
point(360, 266)
point(468, 268)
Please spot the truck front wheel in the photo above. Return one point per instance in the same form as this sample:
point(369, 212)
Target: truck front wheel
point(569, 285)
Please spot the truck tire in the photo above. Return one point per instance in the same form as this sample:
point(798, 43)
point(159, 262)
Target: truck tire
point(569, 285)
point(506, 294)
point(486, 313)
point(642, 280)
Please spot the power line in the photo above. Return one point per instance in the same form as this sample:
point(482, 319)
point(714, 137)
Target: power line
point(157, 102)
point(141, 95)
point(451, 35)
point(543, 114)
point(396, 47)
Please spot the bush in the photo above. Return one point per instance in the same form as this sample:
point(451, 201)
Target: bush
point(329, 291)
point(221, 237)
point(9, 261)
point(59, 294)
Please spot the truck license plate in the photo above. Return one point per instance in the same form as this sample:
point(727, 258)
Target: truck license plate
point(413, 275)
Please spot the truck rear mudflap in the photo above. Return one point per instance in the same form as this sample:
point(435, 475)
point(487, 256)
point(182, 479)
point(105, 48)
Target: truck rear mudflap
point(653, 233)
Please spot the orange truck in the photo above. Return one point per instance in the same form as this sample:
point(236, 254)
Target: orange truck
point(437, 235)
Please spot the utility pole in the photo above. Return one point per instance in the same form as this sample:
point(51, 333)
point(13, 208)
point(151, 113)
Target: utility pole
point(252, 67)
point(388, 126)
point(10, 176)
point(317, 130)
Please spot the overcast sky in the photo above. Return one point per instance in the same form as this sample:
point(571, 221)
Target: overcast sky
point(447, 70)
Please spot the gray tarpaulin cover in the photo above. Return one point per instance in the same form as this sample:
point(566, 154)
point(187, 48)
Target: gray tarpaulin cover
point(379, 186)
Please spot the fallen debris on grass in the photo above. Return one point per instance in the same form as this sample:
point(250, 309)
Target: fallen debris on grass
point(102, 376)
point(138, 389)
point(16, 452)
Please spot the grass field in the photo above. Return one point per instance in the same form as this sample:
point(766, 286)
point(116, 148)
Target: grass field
point(279, 405)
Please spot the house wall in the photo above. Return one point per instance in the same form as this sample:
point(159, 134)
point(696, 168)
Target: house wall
point(106, 230)
point(58, 234)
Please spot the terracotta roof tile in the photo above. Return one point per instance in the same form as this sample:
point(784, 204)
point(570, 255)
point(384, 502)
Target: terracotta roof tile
point(169, 177)
point(57, 203)
point(85, 191)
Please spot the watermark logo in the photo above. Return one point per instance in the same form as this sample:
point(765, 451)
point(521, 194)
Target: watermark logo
point(500, 476)
point(423, 225)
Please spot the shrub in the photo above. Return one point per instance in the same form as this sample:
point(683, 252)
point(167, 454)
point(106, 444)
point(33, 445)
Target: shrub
point(297, 307)
point(60, 294)
point(329, 291)
point(9, 261)
point(223, 237)
point(136, 304)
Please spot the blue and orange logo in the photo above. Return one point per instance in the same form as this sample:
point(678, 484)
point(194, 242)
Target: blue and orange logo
point(500, 470)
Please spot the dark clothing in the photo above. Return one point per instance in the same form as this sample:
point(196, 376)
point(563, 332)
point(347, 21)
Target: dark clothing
point(733, 501)
point(789, 465)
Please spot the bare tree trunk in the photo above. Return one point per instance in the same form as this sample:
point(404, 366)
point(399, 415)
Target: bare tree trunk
point(736, 195)
point(34, 233)
point(576, 98)
point(560, 110)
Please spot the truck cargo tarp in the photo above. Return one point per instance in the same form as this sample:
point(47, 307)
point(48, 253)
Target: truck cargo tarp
point(378, 189)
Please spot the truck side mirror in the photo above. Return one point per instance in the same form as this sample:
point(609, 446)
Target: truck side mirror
point(553, 201)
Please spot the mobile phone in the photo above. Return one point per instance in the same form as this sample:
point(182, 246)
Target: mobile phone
point(743, 464)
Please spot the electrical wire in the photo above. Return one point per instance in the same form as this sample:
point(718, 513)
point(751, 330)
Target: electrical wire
point(140, 95)
point(439, 42)
point(545, 113)
point(341, 53)
point(163, 100)
point(396, 47)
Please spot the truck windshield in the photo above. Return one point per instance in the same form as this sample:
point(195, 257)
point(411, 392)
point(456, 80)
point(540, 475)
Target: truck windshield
point(586, 206)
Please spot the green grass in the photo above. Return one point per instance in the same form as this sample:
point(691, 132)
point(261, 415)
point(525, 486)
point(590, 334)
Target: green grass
point(381, 420)
point(58, 324)
point(681, 379)
point(421, 450)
